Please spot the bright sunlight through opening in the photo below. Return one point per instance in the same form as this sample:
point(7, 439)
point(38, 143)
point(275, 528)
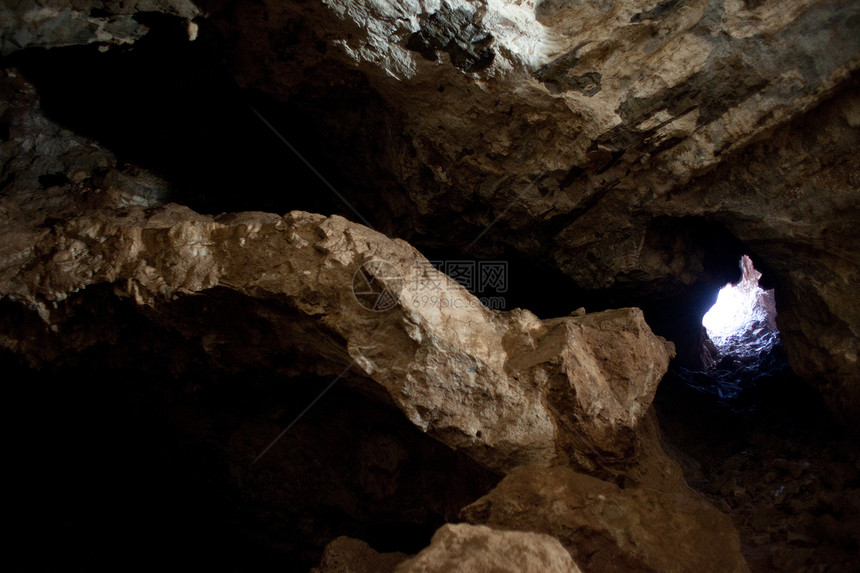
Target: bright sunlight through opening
point(731, 314)
point(740, 309)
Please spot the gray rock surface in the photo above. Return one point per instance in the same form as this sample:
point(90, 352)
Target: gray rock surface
point(55, 23)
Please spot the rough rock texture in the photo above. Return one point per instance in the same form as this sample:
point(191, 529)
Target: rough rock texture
point(91, 255)
point(463, 548)
point(345, 555)
point(600, 137)
point(616, 143)
point(54, 23)
point(603, 139)
point(502, 387)
point(793, 198)
point(507, 388)
point(606, 528)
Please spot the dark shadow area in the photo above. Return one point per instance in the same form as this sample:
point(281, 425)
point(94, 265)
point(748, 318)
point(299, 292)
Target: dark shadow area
point(762, 446)
point(727, 393)
point(768, 454)
point(528, 282)
point(136, 453)
point(168, 105)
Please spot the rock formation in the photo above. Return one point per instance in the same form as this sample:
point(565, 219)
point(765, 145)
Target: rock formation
point(596, 132)
point(465, 547)
point(352, 555)
point(502, 387)
point(607, 528)
point(619, 145)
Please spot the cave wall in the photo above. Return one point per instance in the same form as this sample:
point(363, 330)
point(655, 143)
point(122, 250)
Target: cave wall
point(576, 131)
point(633, 151)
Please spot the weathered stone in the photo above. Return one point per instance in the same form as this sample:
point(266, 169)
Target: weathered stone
point(455, 32)
point(793, 197)
point(467, 548)
point(606, 528)
point(681, 85)
point(597, 137)
point(506, 388)
point(54, 23)
point(346, 555)
point(596, 123)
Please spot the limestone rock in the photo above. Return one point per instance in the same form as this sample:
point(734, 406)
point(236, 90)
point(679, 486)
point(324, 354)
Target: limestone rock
point(601, 137)
point(346, 555)
point(506, 388)
point(606, 528)
point(318, 294)
point(584, 111)
point(595, 137)
point(463, 548)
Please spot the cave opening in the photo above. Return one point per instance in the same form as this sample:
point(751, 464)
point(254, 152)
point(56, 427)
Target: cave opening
point(731, 368)
point(751, 436)
point(742, 321)
point(741, 339)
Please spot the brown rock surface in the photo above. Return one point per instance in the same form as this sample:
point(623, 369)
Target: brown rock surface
point(506, 388)
point(515, 390)
point(464, 548)
point(617, 143)
point(346, 555)
point(601, 140)
point(606, 528)
point(604, 139)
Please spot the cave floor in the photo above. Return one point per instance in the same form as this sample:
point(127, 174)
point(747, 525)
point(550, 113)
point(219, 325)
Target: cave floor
point(774, 462)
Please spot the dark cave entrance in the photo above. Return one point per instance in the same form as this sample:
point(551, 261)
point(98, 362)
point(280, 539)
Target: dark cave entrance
point(758, 441)
point(731, 370)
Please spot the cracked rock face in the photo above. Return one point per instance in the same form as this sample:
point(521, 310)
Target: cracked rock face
point(507, 388)
point(307, 294)
point(602, 137)
point(609, 141)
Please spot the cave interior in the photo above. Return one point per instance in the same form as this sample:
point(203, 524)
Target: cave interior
point(119, 453)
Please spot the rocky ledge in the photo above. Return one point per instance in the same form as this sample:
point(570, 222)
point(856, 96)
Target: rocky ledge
point(325, 394)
